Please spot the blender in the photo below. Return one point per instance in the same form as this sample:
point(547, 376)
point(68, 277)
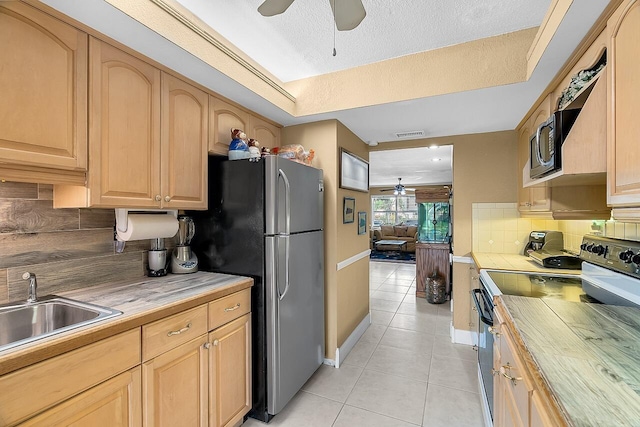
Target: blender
point(183, 259)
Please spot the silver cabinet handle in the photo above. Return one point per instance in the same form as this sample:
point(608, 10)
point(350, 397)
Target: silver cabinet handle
point(504, 370)
point(178, 332)
point(167, 198)
point(493, 331)
point(216, 342)
point(235, 307)
point(158, 198)
point(207, 345)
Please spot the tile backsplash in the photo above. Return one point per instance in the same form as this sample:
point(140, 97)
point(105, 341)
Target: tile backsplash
point(498, 228)
point(65, 248)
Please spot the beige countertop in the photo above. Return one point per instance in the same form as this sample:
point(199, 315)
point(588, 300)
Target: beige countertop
point(141, 301)
point(513, 262)
point(587, 356)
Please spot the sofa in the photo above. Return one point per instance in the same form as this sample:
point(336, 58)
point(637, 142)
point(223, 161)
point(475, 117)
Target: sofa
point(408, 233)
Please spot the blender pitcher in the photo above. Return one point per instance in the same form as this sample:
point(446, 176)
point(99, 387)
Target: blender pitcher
point(183, 259)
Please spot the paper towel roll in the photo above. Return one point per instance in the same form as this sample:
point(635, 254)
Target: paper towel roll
point(149, 226)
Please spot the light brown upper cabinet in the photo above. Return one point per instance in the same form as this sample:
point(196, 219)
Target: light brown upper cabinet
point(267, 134)
point(623, 105)
point(184, 144)
point(147, 137)
point(43, 91)
point(223, 117)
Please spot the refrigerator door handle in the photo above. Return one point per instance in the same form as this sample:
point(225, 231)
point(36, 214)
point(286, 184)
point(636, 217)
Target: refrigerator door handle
point(287, 201)
point(284, 239)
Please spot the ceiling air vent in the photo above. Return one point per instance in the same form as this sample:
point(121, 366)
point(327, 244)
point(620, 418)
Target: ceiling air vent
point(412, 134)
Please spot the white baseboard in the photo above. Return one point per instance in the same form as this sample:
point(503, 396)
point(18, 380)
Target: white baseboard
point(343, 351)
point(459, 336)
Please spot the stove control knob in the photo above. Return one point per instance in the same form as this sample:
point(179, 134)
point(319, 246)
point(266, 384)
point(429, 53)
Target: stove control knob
point(626, 256)
point(636, 259)
point(599, 250)
point(583, 246)
point(589, 247)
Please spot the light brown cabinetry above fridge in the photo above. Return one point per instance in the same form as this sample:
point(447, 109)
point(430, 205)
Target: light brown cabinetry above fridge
point(224, 116)
point(623, 104)
point(147, 137)
point(43, 97)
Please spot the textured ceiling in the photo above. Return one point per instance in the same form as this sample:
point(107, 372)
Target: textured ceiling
point(299, 42)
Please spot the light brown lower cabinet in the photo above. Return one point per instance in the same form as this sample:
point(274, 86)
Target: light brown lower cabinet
point(175, 386)
point(207, 380)
point(114, 403)
point(518, 401)
point(230, 372)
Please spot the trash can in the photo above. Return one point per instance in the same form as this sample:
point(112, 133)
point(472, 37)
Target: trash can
point(436, 289)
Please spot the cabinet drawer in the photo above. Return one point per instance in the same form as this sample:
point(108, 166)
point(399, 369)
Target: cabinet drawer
point(170, 332)
point(228, 308)
point(40, 386)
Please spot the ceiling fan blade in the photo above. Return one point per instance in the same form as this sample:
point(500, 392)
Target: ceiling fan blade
point(274, 7)
point(348, 13)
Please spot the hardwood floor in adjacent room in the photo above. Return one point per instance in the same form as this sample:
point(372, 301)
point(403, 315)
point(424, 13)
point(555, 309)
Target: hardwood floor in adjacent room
point(403, 372)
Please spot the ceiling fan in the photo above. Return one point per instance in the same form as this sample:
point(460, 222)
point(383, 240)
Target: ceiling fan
point(347, 13)
point(399, 188)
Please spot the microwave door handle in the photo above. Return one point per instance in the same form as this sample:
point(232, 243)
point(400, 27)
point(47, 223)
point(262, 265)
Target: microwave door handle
point(539, 146)
point(484, 318)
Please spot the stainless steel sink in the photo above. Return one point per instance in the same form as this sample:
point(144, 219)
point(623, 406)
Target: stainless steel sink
point(27, 322)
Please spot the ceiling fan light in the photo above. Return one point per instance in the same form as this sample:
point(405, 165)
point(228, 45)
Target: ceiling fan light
point(395, 192)
point(403, 192)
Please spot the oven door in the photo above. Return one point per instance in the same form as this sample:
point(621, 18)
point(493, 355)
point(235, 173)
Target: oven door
point(484, 307)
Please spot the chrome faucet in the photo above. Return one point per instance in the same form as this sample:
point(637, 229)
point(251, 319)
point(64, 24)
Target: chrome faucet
point(32, 295)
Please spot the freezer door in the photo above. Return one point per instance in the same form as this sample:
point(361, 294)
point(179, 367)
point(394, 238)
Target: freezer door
point(295, 314)
point(293, 197)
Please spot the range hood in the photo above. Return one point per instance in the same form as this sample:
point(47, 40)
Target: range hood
point(584, 151)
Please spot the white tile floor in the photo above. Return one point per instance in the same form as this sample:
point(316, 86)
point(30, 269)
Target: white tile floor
point(404, 371)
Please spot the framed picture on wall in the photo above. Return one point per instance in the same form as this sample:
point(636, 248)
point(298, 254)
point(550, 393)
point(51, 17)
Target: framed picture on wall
point(348, 212)
point(354, 172)
point(362, 222)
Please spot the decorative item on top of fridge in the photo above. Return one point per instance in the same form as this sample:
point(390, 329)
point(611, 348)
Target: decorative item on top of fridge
point(254, 150)
point(296, 152)
point(238, 147)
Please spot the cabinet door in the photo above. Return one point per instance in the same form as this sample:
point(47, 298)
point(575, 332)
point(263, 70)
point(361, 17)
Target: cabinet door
point(184, 133)
point(124, 129)
point(230, 372)
point(222, 118)
point(116, 402)
point(43, 87)
point(264, 132)
point(175, 386)
point(623, 104)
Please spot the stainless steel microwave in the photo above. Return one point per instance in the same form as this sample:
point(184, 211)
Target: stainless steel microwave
point(545, 145)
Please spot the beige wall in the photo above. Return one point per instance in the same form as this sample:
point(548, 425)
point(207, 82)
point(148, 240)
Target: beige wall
point(353, 281)
point(347, 290)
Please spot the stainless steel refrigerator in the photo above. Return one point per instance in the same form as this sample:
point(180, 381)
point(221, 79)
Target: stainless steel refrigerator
point(265, 220)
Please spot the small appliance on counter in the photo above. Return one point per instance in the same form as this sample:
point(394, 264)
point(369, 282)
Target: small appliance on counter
point(544, 240)
point(158, 265)
point(183, 259)
point(546, 249)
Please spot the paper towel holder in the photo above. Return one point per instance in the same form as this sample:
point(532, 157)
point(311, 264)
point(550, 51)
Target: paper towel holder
point(122, 221)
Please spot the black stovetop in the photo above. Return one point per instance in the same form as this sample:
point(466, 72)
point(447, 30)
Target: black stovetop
point(564, 287)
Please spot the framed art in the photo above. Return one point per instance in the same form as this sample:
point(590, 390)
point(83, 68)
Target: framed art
point(362, 222)
point(348, 210)
point(354, 172)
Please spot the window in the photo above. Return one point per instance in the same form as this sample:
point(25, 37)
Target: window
point(392, 210)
